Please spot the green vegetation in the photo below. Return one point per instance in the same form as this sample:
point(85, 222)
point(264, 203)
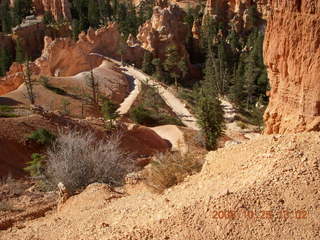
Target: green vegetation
point(109, 112)
point(152, 110)
point(46, 84)
point(42, 136)
point(35, 166)
point(7, 111)
point(87, 14)
point(65, 106)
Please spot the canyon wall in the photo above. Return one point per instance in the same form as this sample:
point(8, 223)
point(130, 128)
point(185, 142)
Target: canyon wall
point(292, 56)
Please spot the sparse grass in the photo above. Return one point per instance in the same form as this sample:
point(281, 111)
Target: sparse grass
point(46, 84)
point(79, 158)
point(241, 125)
point(7, 111)
point(42, 136)
point(169, 169)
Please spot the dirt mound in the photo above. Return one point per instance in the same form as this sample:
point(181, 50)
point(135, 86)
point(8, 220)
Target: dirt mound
point(266, 188)
point(66, 93)
point(15, 150)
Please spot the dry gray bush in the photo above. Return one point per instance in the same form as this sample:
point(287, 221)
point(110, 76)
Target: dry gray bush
point(168, 169)
point(78, 158)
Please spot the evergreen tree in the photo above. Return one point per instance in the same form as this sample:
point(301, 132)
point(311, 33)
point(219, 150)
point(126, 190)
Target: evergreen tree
point(236, 94)
point(5, 17)
point(20, 55)
point(21, 9)
point(28, 82)
point(48, 18)
point(93, 14)
point(210, 116)
point(5, 61)
point(109, 112)
point(170, 64)
point(105, 10)
point(147, 65)
point(75, 29)
point(115, 5)
point(159, 72)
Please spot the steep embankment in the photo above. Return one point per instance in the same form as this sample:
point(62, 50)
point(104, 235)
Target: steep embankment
point(292, 55)
point(258, 181)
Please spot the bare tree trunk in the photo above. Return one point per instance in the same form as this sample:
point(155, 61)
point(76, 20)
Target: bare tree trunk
point(29, 83)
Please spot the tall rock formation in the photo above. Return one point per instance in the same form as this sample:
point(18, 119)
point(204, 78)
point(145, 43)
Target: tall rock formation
point(292, 56)
point(164, 29)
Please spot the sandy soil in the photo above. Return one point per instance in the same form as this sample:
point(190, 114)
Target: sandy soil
point(266, 188)
point(112, 83)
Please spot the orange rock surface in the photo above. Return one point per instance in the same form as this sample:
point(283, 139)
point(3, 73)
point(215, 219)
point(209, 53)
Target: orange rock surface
point(164, 29)
point(292, 56)
point(64, 57)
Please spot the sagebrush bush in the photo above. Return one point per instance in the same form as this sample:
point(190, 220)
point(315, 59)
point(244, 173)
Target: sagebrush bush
point(168, 169)
point(78, 158)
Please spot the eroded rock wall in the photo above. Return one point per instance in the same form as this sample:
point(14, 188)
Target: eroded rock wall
point(65, 57)
point(292, 56)
point(164, 29)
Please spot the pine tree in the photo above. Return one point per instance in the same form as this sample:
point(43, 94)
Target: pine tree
point(210, 116)
point(208, 107)
point(147, 65)
point(75, 29)
point(170, 64)
point(28, 82)
point(159, 72)
point(93, 14)
point(20, 55)
point(5, 61)
point(21, 9)
point(237, 94)
point(105, 10)
point(109, 112)
point(48, 18)
point(115, 6)
point(5, 17)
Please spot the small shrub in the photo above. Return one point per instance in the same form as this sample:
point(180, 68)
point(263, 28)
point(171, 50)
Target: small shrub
point(65, 105)
point(35, 166)
point(241, 125)
point(169, 169)
point(78, 158)
point(46, 84)
point(42, 136)
point(109, 112)
point(142, 115)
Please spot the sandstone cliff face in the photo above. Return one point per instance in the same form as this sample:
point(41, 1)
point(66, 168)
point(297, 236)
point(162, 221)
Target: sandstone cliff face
point(292, 56)
point(60, 9)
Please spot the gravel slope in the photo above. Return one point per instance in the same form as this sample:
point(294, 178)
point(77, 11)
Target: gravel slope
point(257, 181)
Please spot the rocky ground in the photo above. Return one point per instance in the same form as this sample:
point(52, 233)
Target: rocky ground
point(266, 188)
